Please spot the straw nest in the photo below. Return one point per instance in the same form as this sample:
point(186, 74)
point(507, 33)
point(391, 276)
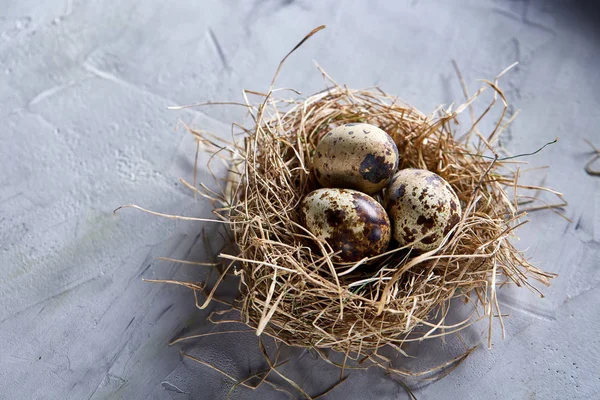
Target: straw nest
point(290, 286)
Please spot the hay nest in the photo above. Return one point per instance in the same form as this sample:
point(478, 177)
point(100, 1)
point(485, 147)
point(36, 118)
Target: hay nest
point(301, 296)
point(290, 285)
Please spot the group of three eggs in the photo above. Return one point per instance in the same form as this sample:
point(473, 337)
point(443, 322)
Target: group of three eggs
point(356, 161)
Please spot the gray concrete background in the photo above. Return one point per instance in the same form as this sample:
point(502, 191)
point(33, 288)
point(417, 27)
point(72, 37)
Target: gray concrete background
point(84, 88)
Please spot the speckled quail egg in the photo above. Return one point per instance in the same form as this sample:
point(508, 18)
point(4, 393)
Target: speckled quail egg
point(349, 221)
point(422, 207)
point(356, 156)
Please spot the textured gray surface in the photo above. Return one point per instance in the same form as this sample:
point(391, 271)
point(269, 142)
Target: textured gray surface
point(84, 128)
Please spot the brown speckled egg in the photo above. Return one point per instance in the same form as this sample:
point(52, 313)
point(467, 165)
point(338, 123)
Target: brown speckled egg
point(348, 220)
point(423, 208)
point(356, 156)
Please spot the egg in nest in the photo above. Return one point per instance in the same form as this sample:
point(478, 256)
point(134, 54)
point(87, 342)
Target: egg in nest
point(423, 208)
point(351, 222)
point(356, 156)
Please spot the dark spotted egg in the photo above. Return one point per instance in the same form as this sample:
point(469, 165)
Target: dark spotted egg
point(349, 221)
point(356, 156)
point(423, 208)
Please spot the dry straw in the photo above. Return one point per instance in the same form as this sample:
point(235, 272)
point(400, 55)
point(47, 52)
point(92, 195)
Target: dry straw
point(290, 287)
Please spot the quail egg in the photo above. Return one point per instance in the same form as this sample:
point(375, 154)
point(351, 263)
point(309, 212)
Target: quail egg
point(356, 156)
point(349, 221)
point(422, 207)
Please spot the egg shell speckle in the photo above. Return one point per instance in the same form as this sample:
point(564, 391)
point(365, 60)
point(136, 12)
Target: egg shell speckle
point(356, 156)
point(423, 208)
point(348, 220)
